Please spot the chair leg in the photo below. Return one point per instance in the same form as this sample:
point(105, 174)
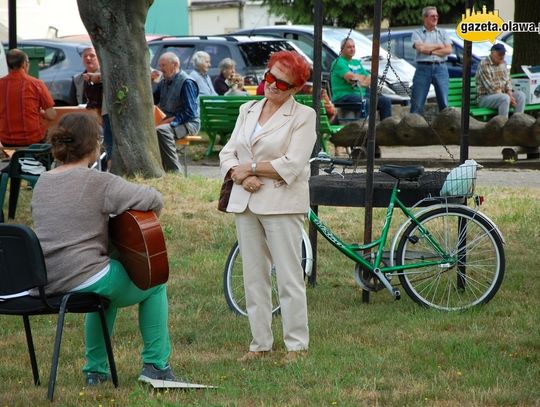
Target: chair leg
point(14, 188)
point(57, 342)
point(108, 346)
point(185, 157)
point(4, 177)
point(31, 349)
point(210, 149)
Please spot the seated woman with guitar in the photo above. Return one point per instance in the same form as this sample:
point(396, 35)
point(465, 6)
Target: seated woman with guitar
point(71, 205)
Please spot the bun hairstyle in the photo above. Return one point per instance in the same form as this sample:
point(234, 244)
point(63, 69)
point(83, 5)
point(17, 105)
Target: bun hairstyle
point(75, 137)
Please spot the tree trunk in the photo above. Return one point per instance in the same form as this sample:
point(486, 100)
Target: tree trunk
point(117, 31)
point(526, 45)
point(413, 130)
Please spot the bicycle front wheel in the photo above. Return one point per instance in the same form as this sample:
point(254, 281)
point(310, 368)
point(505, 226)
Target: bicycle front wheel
point(233, 278)
point(472, 265)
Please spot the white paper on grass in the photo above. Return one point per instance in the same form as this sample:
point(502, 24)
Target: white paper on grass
point(168, 384)
point(460, 180)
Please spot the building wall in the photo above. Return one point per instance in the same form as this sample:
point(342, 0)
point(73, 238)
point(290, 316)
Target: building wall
point(168, 17)
point(222, 20)
point(255, 15)
point(50, 18)
point(44, 18)
point(214, 21)
point(506, 9)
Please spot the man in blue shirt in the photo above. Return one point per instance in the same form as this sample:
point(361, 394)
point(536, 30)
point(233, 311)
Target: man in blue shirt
point(177, 95)
point(432, 46)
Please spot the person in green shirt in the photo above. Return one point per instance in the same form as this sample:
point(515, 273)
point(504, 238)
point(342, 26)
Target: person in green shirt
point(350, 81)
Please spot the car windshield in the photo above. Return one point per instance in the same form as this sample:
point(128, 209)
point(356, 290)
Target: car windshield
point(334, 36)
point(482, 49)
point(256, 54)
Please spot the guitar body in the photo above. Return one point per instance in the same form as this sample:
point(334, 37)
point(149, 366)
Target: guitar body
point(140, 243)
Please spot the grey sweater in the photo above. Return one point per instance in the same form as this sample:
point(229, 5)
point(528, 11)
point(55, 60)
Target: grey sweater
point(71, 212)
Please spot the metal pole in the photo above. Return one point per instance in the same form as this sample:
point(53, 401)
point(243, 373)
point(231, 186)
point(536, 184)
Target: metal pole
point(466, 97)
point(368, 217)
point(464, 152)
point(12, 23)
point(316, 78)
point(465, 102)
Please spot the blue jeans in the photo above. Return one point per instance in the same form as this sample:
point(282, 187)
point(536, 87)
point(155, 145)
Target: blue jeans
point(424, 76)
point(384, 104)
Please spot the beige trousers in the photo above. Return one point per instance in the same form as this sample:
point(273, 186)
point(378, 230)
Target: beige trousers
point(265, 240)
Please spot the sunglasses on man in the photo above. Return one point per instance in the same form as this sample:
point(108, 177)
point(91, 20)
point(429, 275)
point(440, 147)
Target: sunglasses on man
point(281, 85)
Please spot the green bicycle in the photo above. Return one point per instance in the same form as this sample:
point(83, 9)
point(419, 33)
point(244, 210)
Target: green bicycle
point(446, 255)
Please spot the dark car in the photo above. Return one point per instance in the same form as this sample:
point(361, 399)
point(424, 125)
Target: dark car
point(62, 61)
point(400, 45)
point(397, 81)
point(251, 54)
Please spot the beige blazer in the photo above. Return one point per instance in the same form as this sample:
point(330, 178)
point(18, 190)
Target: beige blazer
point(286, 140)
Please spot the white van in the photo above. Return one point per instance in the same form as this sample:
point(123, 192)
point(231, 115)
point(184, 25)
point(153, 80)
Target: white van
point(3, 63)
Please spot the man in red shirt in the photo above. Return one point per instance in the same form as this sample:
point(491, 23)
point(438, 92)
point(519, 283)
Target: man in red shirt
point(24, 101)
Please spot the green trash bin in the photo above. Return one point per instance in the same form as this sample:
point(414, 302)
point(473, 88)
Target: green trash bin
point(36, 55)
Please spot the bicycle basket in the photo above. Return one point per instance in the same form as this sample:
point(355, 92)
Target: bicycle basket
point(461, 181)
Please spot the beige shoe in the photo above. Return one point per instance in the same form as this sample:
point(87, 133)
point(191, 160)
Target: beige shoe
point(253, 355)
point(294, 356)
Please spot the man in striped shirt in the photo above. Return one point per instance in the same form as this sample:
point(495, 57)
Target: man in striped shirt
point(24, 101)
point(493, 84)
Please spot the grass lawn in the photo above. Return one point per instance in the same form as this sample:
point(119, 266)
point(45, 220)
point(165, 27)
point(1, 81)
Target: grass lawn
point(386, 353)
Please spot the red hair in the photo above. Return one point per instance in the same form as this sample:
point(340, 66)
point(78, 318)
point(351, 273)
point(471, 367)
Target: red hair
point(292, 61)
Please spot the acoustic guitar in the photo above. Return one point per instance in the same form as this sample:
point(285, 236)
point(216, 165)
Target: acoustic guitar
point(139, 241)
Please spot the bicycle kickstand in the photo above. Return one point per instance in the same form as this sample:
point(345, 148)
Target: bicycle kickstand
point(393, 290)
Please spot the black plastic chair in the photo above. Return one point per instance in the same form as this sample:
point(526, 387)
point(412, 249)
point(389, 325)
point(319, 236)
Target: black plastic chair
point(22, 267)
point(38, 152)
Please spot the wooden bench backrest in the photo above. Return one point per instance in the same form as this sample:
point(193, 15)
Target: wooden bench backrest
point(455, 89)
point(219, 113)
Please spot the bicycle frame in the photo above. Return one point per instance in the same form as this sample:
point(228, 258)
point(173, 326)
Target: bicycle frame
point(351, 250)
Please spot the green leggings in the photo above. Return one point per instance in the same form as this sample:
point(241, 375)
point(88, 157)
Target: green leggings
point(153, 318)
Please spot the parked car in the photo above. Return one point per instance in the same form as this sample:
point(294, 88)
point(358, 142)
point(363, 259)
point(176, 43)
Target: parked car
point(400, 44)
point(250, 53)
point(3, 63)
point(62, 61)
point(396, 84)
point(507, 38)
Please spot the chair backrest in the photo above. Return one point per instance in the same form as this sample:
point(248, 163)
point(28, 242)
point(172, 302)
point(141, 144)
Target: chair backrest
point(39, 152)
point(22, 266)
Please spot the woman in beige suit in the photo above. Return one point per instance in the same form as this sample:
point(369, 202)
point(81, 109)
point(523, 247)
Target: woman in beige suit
point(267, 157)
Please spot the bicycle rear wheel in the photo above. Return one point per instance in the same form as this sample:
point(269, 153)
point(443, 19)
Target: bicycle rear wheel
point(475, 264)
point(233, 279)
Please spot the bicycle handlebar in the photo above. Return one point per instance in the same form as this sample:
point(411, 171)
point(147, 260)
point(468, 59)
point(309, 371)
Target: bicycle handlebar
point(331, 160)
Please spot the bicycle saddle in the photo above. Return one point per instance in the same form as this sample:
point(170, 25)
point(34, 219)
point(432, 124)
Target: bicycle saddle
point(411, 172)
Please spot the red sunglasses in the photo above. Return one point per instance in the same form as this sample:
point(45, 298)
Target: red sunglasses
point(281, 85)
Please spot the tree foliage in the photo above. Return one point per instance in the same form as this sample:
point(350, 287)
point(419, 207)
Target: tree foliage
point(116, 28)
point(350, 13)
point(526, 45)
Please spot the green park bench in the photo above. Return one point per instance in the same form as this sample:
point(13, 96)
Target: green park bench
point(219, 114)
point(455, 90)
